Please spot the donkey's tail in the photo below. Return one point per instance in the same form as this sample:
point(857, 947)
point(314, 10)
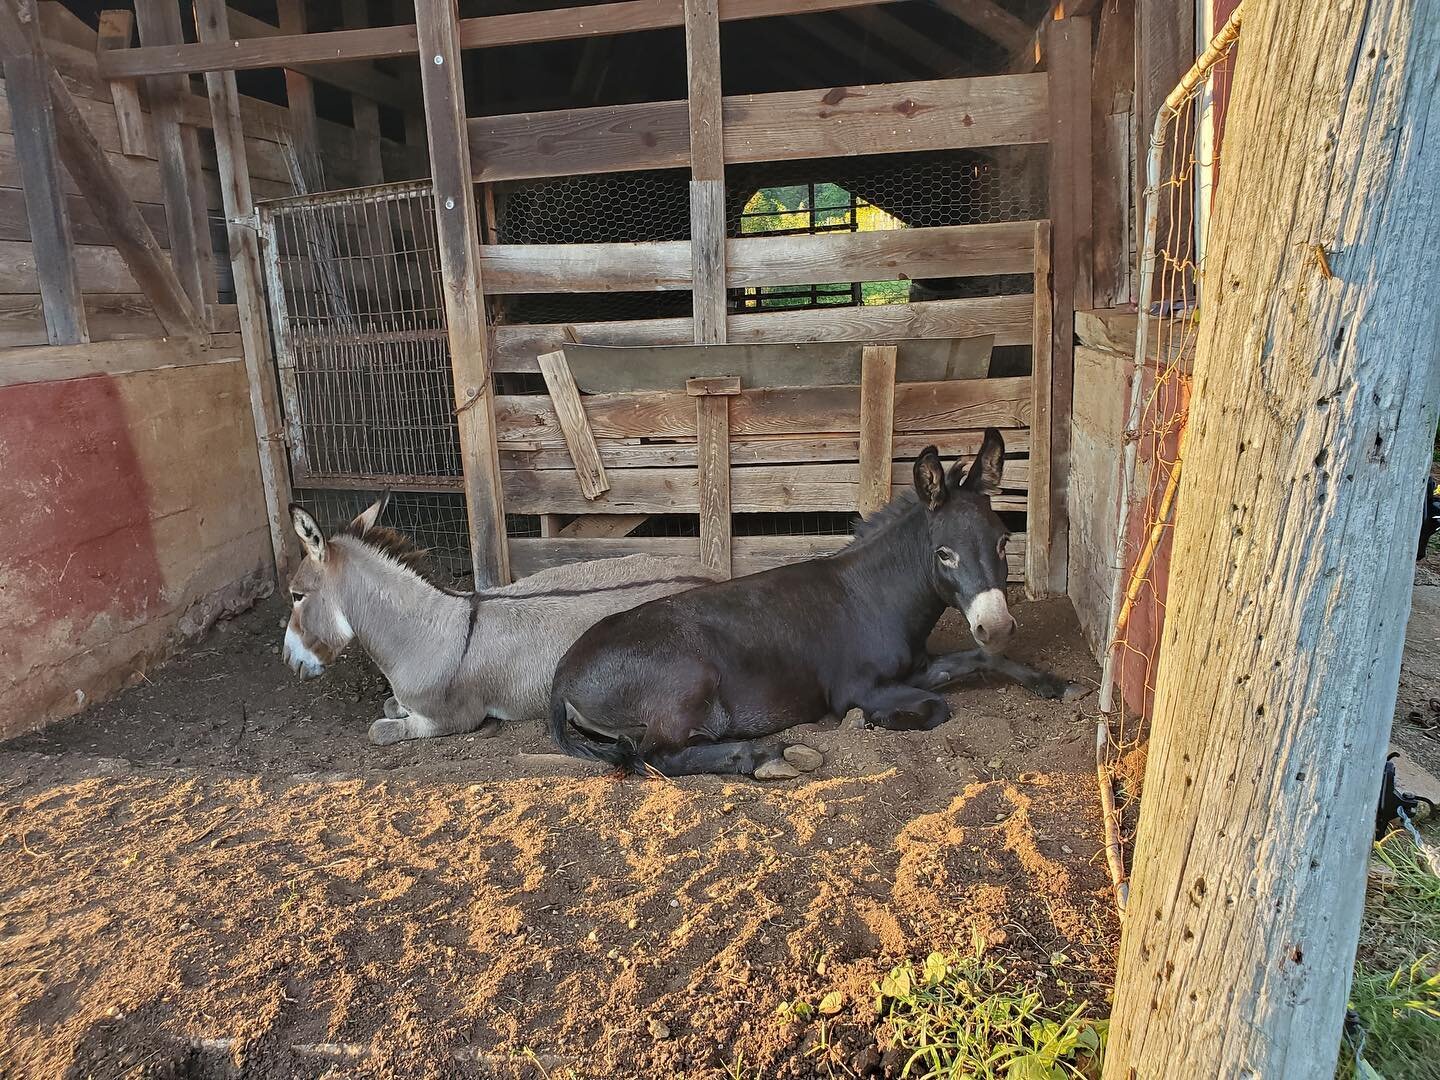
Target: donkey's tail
point(621, 752)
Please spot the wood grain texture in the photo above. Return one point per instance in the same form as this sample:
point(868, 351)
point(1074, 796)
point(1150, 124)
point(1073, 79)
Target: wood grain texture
point(702, 77)
point(33, 120)
point(299, 88)
point(832, 122)
point(565, 399)
point(971, 403)
point(1008, 318)
point(1292, 564)
point(542, 268)
point(117, 29)
point(712, 478)
point(707, 260)
point(53, 363)
point(265, 414)
point(877, 425)
point(1039, 513)
point(1112, 112)
point(457, 239)
point(990, 19)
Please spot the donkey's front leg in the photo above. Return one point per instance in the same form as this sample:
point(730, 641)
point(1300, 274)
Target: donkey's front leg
point(411, 725)
point(944, 671)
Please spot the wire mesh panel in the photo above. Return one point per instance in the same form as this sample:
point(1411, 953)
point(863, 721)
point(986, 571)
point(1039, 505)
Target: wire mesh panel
point(360, 335)
point(1182, 172)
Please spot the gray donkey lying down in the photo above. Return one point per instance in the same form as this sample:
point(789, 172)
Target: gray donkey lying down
point(453, 659)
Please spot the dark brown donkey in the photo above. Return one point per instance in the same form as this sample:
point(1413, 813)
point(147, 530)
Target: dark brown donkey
point(686, 683)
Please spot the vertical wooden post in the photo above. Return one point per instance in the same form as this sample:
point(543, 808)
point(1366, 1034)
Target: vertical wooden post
point(1292, 565)
point(212, 24)
point(1112, 113)
point(300, 93)
point(1067, 51)
point(177, 150)
point(117, 27)
point(707, 169)
point(877, 425)
point(712, 454)
point(1038, 502)
point(458, 241)
point(33, 123)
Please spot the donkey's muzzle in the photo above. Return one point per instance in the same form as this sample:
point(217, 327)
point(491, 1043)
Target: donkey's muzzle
point(302, 660)
point(990, 620)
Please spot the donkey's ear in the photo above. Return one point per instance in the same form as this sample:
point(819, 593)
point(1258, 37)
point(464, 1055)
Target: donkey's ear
point(989, 466)
point(930, 478)
point(309, 532)
point(370, 516)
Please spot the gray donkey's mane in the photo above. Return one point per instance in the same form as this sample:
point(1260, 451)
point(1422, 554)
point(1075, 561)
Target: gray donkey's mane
point(399, 549)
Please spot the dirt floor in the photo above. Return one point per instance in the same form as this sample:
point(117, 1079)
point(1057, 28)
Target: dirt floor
point(216, 875)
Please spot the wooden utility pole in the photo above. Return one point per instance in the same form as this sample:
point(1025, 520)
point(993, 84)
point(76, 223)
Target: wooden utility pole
point(1310, 432)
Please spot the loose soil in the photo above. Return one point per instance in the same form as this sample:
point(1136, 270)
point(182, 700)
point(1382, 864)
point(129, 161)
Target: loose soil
point(216, 875)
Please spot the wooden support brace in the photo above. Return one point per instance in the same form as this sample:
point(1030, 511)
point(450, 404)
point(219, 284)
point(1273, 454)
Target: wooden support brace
point(877, 425)
point(177, 151)
point(565, 396)
point(212, 25)
point(1038, 506)
point(459, 249)
point(33, 122)
point(117, 26)
point(93, 173)
point(712, 424)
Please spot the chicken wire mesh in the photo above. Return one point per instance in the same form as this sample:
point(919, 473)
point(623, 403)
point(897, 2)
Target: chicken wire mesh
point(1182, 171)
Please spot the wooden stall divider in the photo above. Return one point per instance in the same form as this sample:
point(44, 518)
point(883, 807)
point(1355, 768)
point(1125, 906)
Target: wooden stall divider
point(877, 425)
point(712, 426)
point(1038, 513)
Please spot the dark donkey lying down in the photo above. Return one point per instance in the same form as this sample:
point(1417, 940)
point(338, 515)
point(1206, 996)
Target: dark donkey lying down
point(686, 683)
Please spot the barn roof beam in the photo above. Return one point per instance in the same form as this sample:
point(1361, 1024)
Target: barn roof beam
point(1032, 54)
point(990, 19)
point(909, 42)
point(487, 31)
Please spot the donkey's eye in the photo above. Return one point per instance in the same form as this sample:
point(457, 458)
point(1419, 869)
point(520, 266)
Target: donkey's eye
point(296, 597)
point(946, 556)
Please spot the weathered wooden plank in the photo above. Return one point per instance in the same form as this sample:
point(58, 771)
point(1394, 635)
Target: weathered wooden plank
point(1008, 318)
point(364, 112)
point(102, 269)
point(33, 118)
point(946, 251)
point(53, 363)
point(107, 316)
point(877, 426)
point(1111, 120)
point(707, 259)
point(117, 28)
point(839, 121)
point(543, 268)
point(1038, 518)
point(596, 526)
point(712, 474)
point(177, 152)
point(609, 369)
point(565, 399)
point(457, 239)
point(1071, 188)
point(299, 89)
point(211, 25)
point(770, 450)
point(487, 31)
point(991, 20)
point(966, 403)
point(702, 73)
point(750, 554)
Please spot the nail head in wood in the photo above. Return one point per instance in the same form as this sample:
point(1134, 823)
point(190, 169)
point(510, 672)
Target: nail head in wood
point(726, 385)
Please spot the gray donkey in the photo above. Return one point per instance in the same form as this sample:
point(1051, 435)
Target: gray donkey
point(457, 662)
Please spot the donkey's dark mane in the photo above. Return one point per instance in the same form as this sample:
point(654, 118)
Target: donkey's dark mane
point(397, 547)
point(888, 515)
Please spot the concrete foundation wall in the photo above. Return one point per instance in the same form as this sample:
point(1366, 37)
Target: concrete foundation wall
point(132, 517)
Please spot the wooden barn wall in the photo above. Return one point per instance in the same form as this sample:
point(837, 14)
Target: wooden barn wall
point(131, 492)
point(114, 305)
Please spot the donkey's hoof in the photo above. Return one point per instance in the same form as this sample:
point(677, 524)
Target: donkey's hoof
point(386, 731)
point(394, 710)
point(1074, 692)
point(803, 757)
point(778, 769)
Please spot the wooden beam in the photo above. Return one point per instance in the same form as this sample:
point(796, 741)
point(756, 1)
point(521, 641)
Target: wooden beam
point(992, 20)
point(1038, 513)
point(870, 62)
point(364, 113)
point(458, 243)
point(91, 169)
point(596, 526)
point(1032, 54)
point(487, 31)
point(941, 114)
point(1071, 187)
point(56, 363)
point(117, 28)
point(877, 425)
point(300, 93)
point(565, 399)
point(1112, 121)
point(33, 121)
point(211, 25)
point(712, 437)
point(707, 176)
point(177, 151)
point(907, 41)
